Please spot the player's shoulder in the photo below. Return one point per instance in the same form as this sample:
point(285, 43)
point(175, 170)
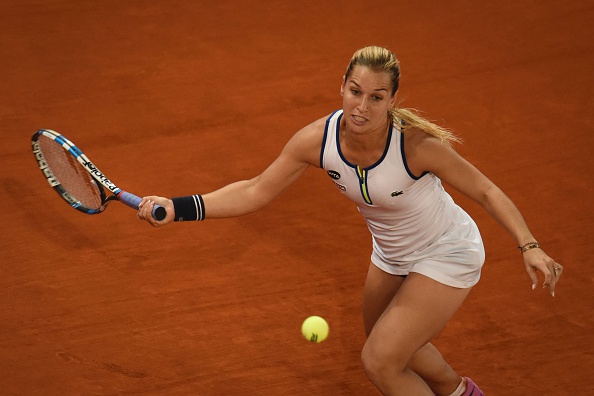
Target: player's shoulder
point(425, 152)
point(317, 127)
point(313, 132)
point(308, 141)
point(416, 139)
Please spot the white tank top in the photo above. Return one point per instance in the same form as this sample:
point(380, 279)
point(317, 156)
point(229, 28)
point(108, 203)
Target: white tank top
point(406, 215)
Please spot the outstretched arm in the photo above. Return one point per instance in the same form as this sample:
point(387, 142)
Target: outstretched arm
point(247, 196)
point(433, 155)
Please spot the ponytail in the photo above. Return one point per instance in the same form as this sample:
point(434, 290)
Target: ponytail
point(408, 119)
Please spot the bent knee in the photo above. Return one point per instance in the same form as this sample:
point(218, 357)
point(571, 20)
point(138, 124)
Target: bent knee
point(381, 364)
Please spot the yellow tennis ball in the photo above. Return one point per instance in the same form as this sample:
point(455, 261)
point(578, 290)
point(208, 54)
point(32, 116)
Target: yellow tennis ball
point(315, 329)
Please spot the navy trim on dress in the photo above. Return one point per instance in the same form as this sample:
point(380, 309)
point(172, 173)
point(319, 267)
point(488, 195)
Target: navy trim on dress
point(404, 160)
point(324, 139)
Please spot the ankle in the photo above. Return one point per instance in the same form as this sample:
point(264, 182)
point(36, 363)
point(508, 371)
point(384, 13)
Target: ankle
point(460, 389)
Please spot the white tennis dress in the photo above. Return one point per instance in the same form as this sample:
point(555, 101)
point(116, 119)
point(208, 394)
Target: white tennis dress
point(414, 223)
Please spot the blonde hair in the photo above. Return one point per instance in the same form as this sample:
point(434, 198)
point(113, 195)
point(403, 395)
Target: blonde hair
point(380, 59)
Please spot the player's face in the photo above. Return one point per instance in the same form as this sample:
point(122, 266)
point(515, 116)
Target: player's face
point(366, 98)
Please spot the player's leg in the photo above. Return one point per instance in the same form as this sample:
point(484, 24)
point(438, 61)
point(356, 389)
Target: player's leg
point(417, 313)
point(427, 362)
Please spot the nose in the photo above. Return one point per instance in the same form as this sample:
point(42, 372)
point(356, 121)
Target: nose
point(362, 106)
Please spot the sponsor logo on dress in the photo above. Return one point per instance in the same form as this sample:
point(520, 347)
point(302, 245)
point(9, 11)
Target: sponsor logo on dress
point(333, 174)
point(397, 193)
point(340, 187)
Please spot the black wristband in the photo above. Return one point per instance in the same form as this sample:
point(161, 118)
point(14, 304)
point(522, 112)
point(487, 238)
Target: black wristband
point(189, 208)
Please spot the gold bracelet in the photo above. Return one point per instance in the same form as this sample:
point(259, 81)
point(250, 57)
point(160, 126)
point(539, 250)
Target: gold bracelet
point(528, 246)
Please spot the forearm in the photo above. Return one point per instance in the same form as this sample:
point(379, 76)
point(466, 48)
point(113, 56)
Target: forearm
point(502, 209)
point(233, 200)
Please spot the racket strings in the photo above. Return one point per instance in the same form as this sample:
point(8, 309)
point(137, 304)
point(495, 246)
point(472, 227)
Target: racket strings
point(70, 173)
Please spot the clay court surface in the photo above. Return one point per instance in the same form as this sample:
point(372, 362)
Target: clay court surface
point(176, 98)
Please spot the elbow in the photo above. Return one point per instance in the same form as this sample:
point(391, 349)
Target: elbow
point(489, 196)
point(257, 198)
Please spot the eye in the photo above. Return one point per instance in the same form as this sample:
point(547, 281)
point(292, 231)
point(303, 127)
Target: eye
point(377, 98)
point(355, 91)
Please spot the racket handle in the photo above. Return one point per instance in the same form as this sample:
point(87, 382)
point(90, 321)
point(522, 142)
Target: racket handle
point(133, 201)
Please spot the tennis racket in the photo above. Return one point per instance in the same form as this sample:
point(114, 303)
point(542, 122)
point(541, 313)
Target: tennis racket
point(76, 179)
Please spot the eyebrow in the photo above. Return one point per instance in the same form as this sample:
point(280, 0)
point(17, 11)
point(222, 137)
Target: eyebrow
point(379, 89)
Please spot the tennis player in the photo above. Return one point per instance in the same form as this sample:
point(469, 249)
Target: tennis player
point(427, 251)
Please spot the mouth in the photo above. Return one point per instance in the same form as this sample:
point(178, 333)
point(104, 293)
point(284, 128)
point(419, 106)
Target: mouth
point(358, 120)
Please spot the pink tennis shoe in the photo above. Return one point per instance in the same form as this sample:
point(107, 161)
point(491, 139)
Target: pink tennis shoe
point(472, 389)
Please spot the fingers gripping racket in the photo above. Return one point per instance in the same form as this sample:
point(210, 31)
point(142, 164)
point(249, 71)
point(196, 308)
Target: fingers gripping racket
point(76, 179)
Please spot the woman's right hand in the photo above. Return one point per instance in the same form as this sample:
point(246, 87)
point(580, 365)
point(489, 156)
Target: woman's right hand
point(145, 210)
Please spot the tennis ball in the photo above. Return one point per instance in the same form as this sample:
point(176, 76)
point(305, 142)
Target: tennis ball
point(315, 329)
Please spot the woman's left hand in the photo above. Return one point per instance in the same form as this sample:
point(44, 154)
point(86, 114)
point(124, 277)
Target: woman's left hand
point(537, 259)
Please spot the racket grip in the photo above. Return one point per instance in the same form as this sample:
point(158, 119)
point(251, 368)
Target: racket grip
point(133, 201)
